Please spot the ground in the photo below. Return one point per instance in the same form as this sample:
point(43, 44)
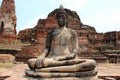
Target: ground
point(17, 71)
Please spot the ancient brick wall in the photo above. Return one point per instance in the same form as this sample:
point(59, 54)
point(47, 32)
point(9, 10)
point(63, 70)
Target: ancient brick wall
point(7, 21)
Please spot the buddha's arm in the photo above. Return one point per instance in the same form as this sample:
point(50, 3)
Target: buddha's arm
point(75, 43)
point(49, 42)
point(39, 61)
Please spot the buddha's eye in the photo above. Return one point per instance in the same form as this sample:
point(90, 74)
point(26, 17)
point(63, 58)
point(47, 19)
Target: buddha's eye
point(63, 17)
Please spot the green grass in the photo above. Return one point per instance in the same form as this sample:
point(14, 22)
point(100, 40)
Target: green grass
point(112, 50)
point(6, 65)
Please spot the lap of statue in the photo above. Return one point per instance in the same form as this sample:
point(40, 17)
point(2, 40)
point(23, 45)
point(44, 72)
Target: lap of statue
point(73, 65)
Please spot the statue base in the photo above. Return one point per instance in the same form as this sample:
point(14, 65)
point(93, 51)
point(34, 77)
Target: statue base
point(86, 75)
point(64, 78)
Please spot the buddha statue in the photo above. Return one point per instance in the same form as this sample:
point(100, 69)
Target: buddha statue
point(59, 58)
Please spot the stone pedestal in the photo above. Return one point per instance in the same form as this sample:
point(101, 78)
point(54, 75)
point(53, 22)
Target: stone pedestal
point(86, 75)
point(68, 78)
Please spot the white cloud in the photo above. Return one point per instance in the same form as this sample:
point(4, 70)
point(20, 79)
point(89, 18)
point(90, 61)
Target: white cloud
point(73, 4)
point(104, 21)
point(107, 19)
point(33, 22)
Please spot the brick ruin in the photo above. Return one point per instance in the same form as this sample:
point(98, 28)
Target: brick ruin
point(7, 21)
point(25, 35)
point(38, 34)
point(98, 46)
point(112, 38)
point(8, 36)
point(92, 44)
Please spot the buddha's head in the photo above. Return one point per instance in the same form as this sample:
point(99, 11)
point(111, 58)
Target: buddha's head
point(61, 17)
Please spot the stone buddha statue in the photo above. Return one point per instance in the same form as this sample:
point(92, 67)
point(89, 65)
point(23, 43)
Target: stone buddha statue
point(59, 58)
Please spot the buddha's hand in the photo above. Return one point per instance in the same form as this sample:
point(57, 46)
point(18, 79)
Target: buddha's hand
point(66, 57)
point(39, 61)
point(60, 58)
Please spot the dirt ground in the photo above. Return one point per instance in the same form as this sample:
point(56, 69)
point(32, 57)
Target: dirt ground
point(17, 72)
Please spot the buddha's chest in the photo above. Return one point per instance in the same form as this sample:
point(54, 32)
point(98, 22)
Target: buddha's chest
point(61, 43)
point(62, 38)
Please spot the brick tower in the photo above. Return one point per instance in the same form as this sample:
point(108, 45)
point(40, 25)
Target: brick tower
point(7, 21)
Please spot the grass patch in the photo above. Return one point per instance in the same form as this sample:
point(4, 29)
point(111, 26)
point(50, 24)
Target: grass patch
point(112, 50)
point(6, 65)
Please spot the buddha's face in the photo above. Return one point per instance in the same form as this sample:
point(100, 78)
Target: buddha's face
point(61, 19)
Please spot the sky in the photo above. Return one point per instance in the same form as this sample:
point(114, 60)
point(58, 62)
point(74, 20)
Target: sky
point(103, 15)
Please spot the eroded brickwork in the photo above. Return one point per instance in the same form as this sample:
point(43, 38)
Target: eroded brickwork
point(7, 21)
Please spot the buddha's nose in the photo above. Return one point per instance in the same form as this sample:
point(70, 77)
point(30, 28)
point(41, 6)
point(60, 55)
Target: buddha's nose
point(61, 19)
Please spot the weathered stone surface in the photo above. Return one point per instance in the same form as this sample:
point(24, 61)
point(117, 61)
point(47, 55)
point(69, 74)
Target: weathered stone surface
point(69, 78)
point(29, 52)
point(7, 21)
point(25, 35)
point(84, 33)
point(6, 58)
point(60, 74)
point(112, 38)
point(96, 38)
